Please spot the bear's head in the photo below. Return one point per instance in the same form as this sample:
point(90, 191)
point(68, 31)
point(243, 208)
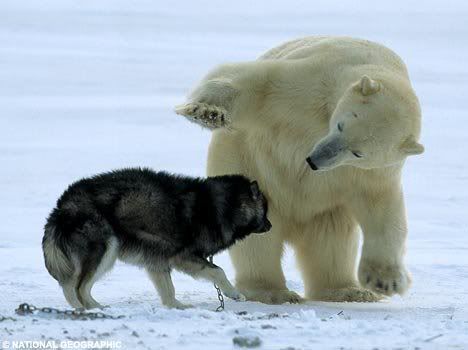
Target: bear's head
point(375, 124)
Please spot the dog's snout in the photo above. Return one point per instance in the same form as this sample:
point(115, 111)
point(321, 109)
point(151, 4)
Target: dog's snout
point(311, 163)
point(266, 226)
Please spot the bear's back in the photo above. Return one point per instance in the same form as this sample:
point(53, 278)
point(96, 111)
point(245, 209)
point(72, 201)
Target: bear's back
point(345, 50)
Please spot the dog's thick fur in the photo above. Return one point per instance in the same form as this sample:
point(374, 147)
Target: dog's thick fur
point(154, 220)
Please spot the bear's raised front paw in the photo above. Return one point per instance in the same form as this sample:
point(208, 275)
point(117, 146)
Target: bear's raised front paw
point(208, 116)
point(384, 279)
point(273, 296)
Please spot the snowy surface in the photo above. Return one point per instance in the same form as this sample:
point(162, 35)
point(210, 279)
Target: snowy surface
point(87, 86)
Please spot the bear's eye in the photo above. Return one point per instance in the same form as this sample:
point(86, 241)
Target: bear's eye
point(340, 127)
point(357, 154)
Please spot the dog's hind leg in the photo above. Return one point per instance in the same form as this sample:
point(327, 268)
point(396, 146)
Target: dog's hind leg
point(97, 262)
point(162, 281)
point(69, 286)
point(200, 268)
point(70, 293)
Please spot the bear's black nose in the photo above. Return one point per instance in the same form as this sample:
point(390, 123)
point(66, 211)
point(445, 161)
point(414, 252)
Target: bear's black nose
point(311, 163)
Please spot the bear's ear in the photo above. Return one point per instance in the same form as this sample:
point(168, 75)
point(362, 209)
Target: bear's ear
point(411, 147)
point(210, 104)
point(366, 86)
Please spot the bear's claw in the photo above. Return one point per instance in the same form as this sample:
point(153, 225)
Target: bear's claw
point(208, 116)
point(386, 280)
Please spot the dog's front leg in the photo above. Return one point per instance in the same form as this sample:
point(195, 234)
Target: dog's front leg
point(163, 283)
point(200, 268)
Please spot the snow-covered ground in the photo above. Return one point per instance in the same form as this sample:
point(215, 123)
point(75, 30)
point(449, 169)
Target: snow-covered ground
point(87, 86)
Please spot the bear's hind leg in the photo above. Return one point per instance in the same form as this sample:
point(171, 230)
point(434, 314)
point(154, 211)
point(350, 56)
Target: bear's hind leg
point(327, 256)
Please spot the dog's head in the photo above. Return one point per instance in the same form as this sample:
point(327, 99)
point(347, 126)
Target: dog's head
point(254, 210)
point(244, 207)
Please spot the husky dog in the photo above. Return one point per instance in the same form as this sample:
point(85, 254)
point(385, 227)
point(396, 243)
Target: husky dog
point(152, 219)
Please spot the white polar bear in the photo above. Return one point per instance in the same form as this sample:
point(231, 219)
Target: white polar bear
point(347, 107)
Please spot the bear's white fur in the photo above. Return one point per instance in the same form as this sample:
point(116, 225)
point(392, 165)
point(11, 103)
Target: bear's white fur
point(347, 106)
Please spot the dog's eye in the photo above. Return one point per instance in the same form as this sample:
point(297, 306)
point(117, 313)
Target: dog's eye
point(340, 127)
point(357, 154)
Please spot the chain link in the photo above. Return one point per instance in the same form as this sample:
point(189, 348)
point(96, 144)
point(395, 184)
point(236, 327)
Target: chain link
point(220, 294)
point(27, 309)
point(6, 318)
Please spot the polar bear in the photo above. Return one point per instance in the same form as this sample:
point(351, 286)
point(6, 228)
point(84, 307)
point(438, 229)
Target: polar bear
point(324, 124)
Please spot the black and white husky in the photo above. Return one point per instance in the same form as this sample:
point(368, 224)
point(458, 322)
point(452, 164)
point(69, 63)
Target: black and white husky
point(152, 219)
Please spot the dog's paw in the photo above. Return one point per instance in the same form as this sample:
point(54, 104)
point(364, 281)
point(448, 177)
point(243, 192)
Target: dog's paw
point(90, 305)
point(240, 297)
point(348, 294)
point(234, 294)
point(384, 279)
point(208, 116)
point(176, 304)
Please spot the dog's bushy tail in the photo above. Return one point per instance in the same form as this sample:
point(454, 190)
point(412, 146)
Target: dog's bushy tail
point(56, 256)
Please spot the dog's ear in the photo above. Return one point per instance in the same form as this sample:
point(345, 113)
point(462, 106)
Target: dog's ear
point(210, 104)
point(255, 190)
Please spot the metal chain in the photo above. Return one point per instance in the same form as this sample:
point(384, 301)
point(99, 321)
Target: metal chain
point(27, 309)
point(220, 294)
point(6, 318)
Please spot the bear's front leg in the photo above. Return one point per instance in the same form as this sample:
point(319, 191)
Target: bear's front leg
point(383, 221)
point(257, 260)
point(326, 249)
point(210, 104)
point(230, 95)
